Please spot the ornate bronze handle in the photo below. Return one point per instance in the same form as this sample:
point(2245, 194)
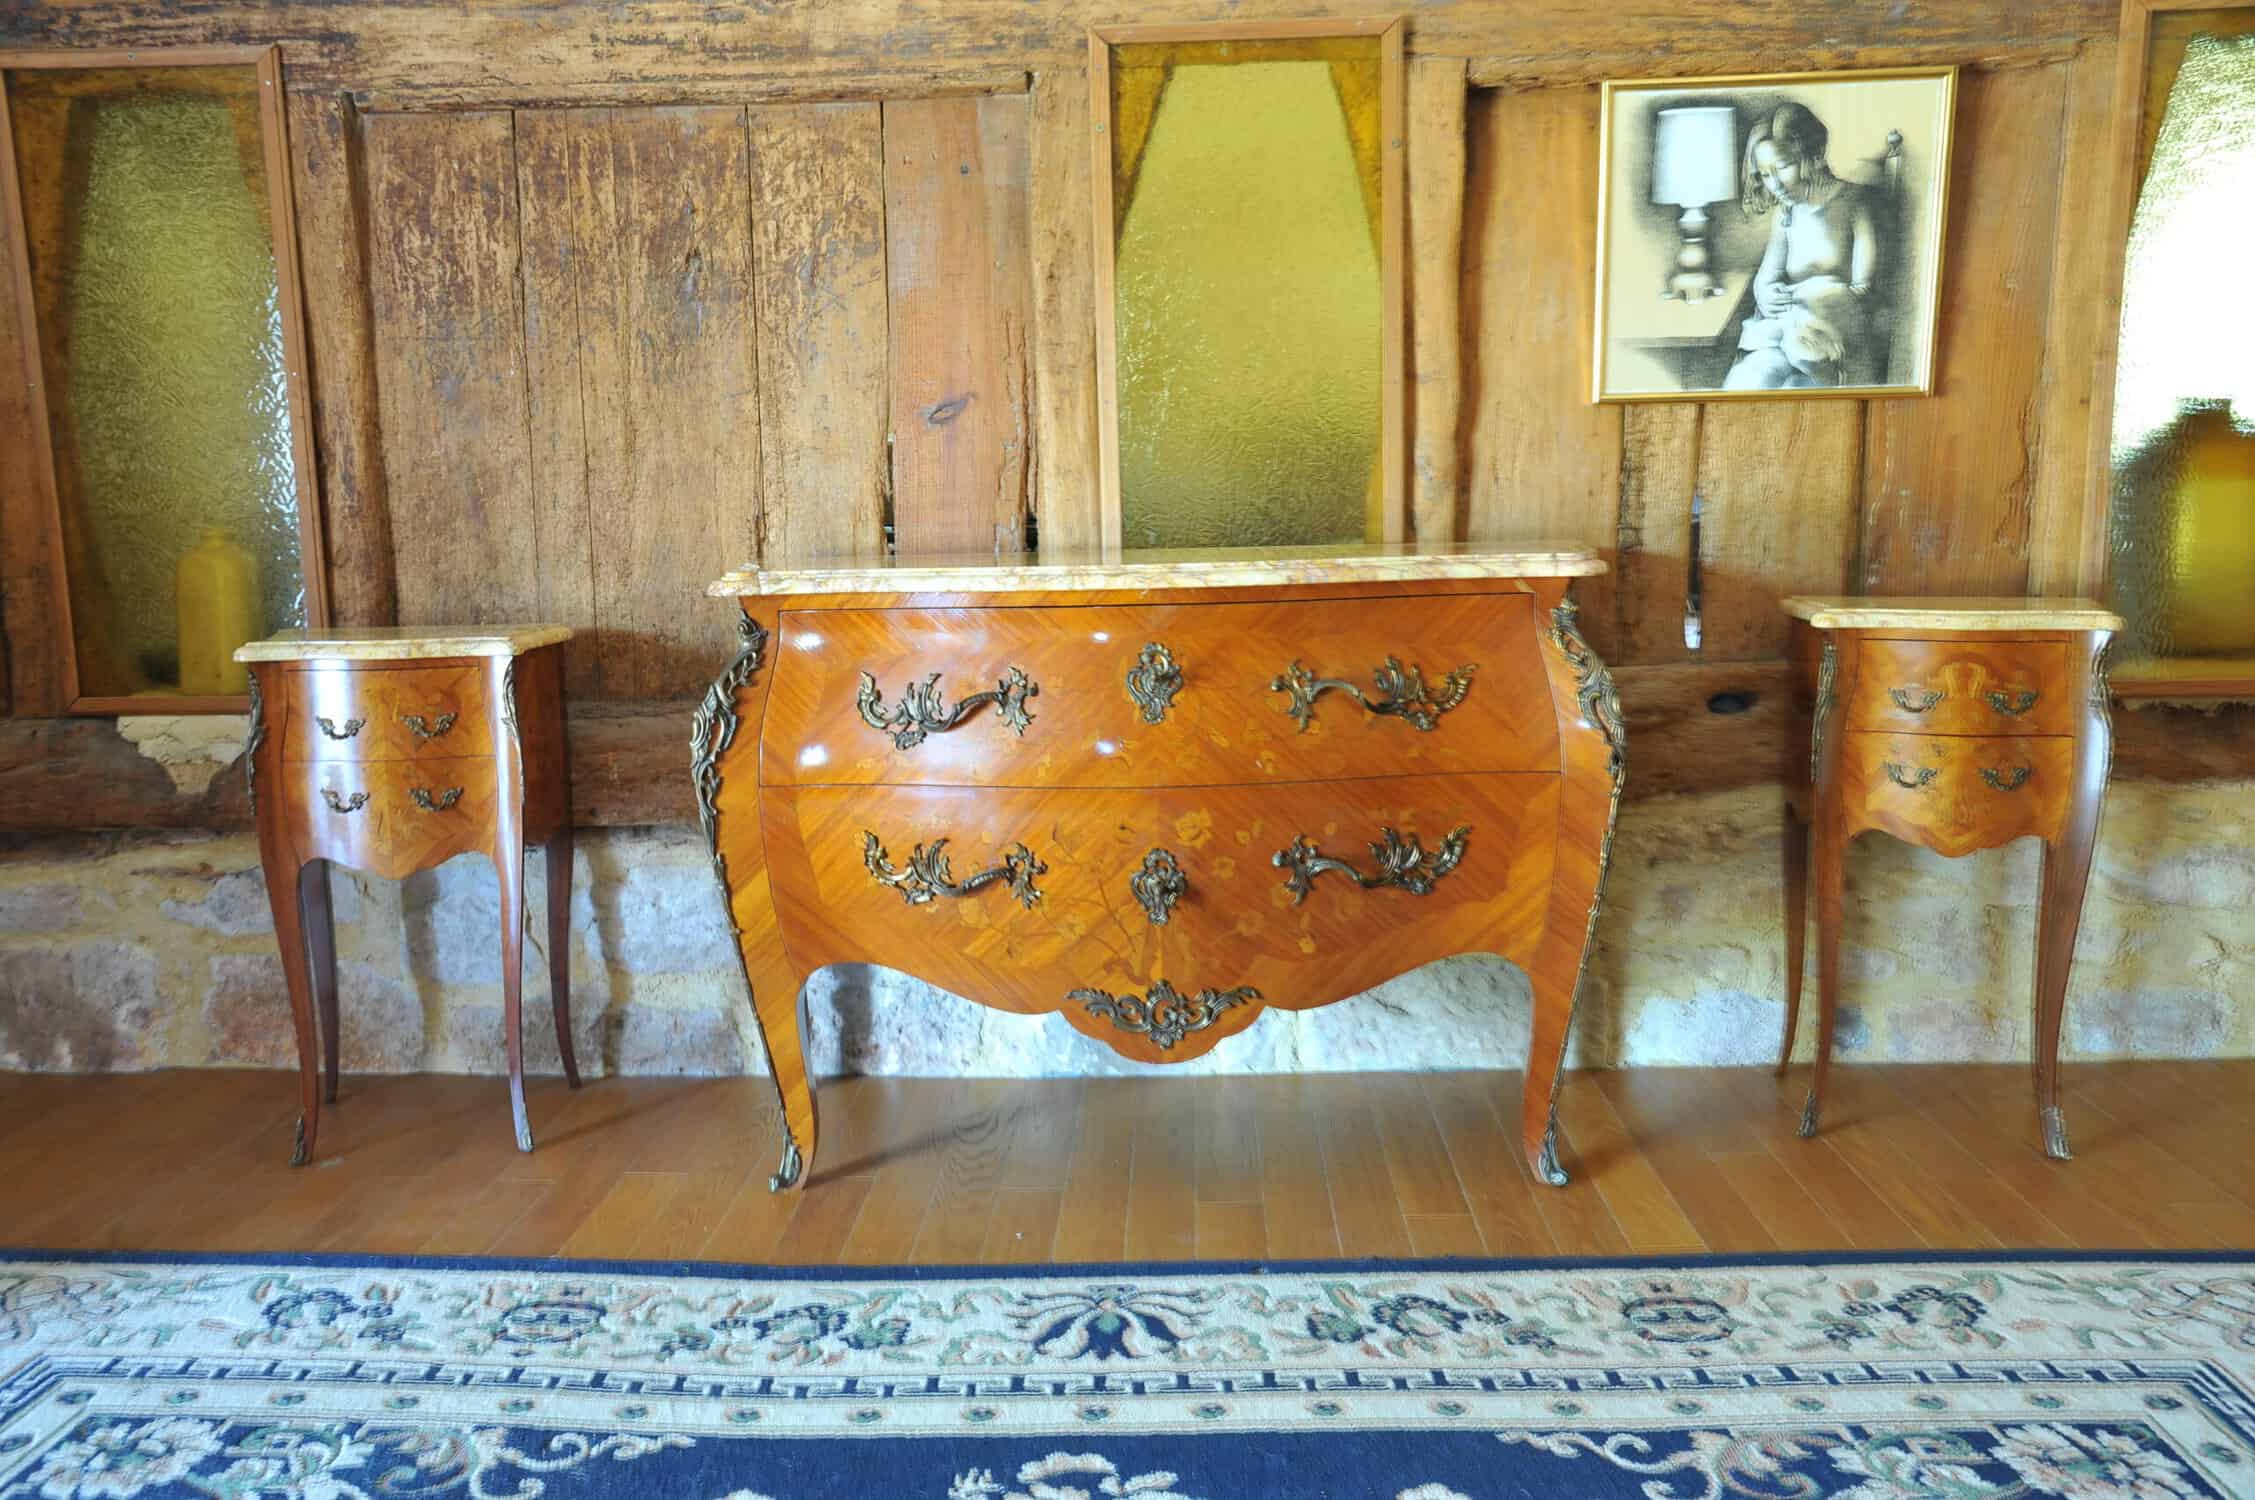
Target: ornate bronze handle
point(422, 798)
point(1401, 862)
point(1915, 700)
point(920, 711)
point(928, 875)
point(1159, 885)
point(1166, 1015)
point(337, 804)
point(2006, 778)
point(2013, 705)
point(1401, 691)
point(1908, 777)
point(329, 728)
point(1153, 681)
point(427, 729)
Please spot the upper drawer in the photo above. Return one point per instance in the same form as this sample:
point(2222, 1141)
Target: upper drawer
point(1073, 697)
point(386, 713)
point(1962, 687)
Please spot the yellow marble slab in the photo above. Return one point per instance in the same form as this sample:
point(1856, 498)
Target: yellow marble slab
point(1853, 612)
point(1208, 567)
point(402, 642)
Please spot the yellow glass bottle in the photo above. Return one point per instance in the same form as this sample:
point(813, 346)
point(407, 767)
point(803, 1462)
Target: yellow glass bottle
point(2210, 609)
point(217, 587)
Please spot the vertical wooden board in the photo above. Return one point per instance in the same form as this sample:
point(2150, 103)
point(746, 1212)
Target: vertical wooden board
point(1067, 501)
point(1436, 232)
point(30, 655)
point(818, 280)
point(450, 368)
point(1779, 482)
point(1541, 461)
point(955, 227)
point(329, 185)
point(1948, 478)
point(553, 156)
point(667, 386)
point(1651, 566)
point(2063, 517)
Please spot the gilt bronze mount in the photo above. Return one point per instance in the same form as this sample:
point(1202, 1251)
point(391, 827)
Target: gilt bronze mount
point(921, 711)
point(928, 875)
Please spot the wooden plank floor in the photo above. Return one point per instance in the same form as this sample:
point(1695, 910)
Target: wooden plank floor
point(952, 1172)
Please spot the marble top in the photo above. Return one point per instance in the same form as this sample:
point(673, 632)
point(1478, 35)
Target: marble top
point(402, 642)
point(1187, 568)
point(1854, 612)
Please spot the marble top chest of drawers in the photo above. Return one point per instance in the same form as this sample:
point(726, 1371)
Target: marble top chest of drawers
point(1160, 794)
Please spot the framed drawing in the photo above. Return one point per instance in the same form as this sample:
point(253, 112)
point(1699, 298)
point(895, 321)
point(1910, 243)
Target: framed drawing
point(1248, 205)
point(1771, 235)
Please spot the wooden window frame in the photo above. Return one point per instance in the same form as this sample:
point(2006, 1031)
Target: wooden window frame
point(282, 216)
point(2094, 561)
point(1393, 260)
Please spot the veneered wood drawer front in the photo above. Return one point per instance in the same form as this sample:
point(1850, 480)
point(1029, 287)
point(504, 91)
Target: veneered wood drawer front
point(393, 817)
point(1207, 859)
point(371, 713)
point(1957, 793)
point(1962, 687)
point(1225, 723)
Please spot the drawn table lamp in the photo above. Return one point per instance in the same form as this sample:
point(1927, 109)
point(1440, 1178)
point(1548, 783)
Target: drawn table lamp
point(1694, 163)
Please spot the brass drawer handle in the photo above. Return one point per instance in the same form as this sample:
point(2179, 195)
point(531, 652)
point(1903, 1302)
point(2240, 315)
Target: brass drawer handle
point(2006, 778)
point(1402, 862)
point(1401, 692)
point(1166, 1015)
point(928, 874)
point(1908, 777)
point(422, 798)
point(337, 804)
point(427, 729)
point(920, 711)
point(1153, 681)
point(2013, 705)
point(1159, 885)
point(1913, 700)
point(329, 727)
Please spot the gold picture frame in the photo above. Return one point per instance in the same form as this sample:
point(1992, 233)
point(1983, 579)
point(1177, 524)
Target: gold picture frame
point(1384, 508)
point(1745, 303)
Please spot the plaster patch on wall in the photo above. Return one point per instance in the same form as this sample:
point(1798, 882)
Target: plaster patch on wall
point(192, 748)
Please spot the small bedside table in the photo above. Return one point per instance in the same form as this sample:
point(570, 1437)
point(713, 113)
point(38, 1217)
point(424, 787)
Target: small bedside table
point(1959, 724)
point(393, 750)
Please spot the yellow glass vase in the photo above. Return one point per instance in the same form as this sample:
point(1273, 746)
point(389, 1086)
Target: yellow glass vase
point(2210, 605)
point(218, 604)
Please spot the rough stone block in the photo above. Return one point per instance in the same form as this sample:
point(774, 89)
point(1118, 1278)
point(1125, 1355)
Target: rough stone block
point(50, 906)
point(236, 905)
point(2164, 1021)
point(246, 1011)
point(666, 916)
point(87, 1007)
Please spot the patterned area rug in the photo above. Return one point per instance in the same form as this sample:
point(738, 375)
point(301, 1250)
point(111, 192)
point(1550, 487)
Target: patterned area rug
point(339, 1378)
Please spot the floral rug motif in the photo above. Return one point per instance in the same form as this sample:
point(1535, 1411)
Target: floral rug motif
point(343, 1378)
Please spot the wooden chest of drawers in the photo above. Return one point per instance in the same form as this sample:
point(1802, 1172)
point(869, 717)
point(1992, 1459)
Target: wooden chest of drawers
point(1160, 797)
point(1958, 724)
point(392, 751)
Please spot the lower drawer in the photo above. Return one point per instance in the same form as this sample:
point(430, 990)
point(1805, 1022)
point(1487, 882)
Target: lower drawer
point(1300, 895)
point(1957, 793)
point(392, 817)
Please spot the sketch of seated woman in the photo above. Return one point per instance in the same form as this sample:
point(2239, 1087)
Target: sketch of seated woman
point(1812, 320)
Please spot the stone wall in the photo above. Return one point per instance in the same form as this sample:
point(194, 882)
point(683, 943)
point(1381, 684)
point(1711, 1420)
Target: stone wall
point(124, 952)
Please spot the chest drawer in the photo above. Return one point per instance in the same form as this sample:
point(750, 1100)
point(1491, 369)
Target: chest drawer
point(1158, 695)
point(367, 713)
point(1962, 687)
point(1958, 793)
point(393, 817)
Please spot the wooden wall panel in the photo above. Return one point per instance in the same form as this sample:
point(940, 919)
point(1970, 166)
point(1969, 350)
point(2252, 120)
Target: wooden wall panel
point(329, 186)
point(30, 671)
point(450, 366)
point(658, 267)
point(1436, 233)
point(1651, 568)
point(1540, 462)
point(1779, 480)
point(955, 228)
point(1949, 479)
point(818, 258)
point(1067, 502)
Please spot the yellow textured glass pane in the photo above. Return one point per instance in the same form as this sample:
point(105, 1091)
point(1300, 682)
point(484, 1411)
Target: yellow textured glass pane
point(2183, 511)
point(160, 329)
point(1248, 301)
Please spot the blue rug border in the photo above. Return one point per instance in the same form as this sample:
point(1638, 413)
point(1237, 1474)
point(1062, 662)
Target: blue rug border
point(1020, 1271)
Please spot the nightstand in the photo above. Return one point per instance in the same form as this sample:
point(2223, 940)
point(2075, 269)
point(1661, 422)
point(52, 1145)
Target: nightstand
point(393, 750)
point(1957, 724)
